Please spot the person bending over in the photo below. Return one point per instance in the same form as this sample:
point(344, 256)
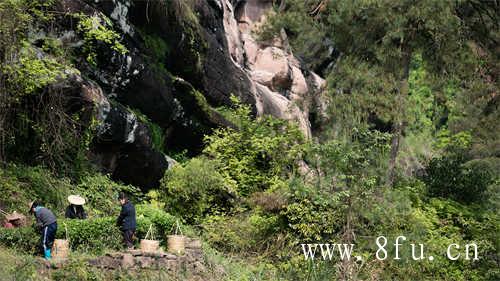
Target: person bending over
point(46, 222)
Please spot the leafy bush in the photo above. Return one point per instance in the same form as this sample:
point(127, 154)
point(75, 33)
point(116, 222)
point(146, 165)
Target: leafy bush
point(454, 176)
point(258, 154)
point(96, 235)
point(22, 184)
point(101, 194)
point(93, 235)
point(253, 232)
point(23, 239)
point(162, 222)
point(194, 188)
point(96, 29)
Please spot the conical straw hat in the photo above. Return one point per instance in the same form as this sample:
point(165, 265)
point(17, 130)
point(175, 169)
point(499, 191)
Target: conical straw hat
point(76, 200)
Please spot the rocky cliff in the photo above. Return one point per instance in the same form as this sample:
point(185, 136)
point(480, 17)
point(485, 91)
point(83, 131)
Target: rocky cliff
point(184, 58)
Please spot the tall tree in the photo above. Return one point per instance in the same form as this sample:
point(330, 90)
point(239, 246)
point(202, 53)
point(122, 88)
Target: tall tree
point(377, 41)
point(386, 35)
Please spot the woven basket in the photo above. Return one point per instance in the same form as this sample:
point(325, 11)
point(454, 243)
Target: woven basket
point(150, 245)
point(60, 249)
point(176, 243)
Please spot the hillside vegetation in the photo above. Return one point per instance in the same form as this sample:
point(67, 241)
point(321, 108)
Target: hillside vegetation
point(408, 144)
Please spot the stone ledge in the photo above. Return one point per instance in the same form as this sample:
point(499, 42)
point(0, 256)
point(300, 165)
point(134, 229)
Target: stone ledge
point(191, 260)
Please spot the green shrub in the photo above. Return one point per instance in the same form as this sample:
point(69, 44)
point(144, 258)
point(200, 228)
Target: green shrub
point(96, 29)
point(253, 232)
point(163, 223)
point(101, 194)
point(195, 188)
point(22, 184)
point(454, 176)
point(93, 235)
point(259, 153)
point(22, 239)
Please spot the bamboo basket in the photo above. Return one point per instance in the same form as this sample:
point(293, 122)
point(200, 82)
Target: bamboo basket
point(60, 249)
point(176, 243)
point(149, 245)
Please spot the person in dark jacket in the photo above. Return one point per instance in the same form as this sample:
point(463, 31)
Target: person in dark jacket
point(126, 221)
point(75, 209)
point(46, 222)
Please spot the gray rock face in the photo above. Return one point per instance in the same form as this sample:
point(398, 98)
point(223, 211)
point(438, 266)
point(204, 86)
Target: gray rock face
point(123, 144)
point(282, 87)
point(210, 54)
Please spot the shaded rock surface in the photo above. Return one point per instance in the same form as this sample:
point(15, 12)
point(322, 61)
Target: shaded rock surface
point(205, 51)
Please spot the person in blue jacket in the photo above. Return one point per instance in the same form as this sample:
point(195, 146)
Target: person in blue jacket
point(126, 221)
point(46, 222)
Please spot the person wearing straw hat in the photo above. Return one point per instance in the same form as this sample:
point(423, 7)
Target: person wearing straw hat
point(127, 221)
point(45, 221)
point(75, 209)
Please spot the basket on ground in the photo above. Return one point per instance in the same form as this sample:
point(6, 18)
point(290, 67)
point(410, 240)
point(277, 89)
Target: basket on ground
point(60, 249)
point(176, 243)
point(149, 245)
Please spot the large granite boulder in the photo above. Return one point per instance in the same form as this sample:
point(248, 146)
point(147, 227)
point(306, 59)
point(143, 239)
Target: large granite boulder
point(183, 58)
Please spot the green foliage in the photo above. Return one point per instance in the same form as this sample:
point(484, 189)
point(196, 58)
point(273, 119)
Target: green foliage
point(421, 97)
point(25, 67)
point(157, 48)
point(22, 184)
point(447, 141)
point(453, 176)
point(312, 218)
point(96, 29)
point(94, 235)
point(91, 235)
point(194, 188)
point(306, 34)
point(256, 155)
point(35, 123)
point(428, 66)
point(255, 232)
point(101, 194)
point(436, 224)
point(348, 174)
point(162, 222)
point(232, 269)
point(22, 239)
point(359, 91)
point(32, 73)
